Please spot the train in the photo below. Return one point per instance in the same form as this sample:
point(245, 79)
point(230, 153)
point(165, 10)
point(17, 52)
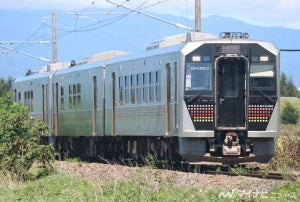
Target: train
point(192, 97)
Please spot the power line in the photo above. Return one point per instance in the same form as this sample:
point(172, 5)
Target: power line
point(289, 50)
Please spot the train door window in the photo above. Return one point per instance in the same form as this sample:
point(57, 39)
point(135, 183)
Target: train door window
point(62, 94)
point(30, 94)
point(70, 97)
point(152, 85)
point(74, 97)
point(127, 89)
point(230, 81)
point(145, 87)
point(15, 95)
point(139, 88)
point(121, 89)
point(158, 85)
point(175, 94)
point(78, 96)
point(133, 88)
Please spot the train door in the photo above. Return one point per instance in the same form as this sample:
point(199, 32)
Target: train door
point(55, 108)
point(231, 93)
point(113, 100)
point(171, 98)
point(94, 105)
point(168, 99)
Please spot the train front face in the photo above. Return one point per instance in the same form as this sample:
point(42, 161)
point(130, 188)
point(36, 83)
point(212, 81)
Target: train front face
point(231, 102)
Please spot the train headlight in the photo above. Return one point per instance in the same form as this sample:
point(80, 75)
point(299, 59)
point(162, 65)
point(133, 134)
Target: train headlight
point(196, 58)
point(264, 58)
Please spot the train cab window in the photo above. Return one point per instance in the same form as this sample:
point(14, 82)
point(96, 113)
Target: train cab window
point(139, 88)
point(262, 79)
point(198, 78)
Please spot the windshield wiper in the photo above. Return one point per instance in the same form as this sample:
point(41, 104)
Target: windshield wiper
point(194, 97)
point(264, 95)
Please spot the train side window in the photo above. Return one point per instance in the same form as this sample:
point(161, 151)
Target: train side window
point(121, 90)
point(28, 100)
point(133, 88)
point(158, 85)
point(127, 89)
point(139, 88)
point(145, 87)
point(74, 96)
point(19, 97)
point(152, 85)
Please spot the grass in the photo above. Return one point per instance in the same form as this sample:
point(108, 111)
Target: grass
point(61, 187)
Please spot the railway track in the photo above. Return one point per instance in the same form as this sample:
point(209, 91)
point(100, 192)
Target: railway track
point(274, 176)
point(242, 171)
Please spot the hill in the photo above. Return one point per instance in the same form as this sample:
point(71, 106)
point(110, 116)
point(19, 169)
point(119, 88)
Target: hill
point(81, 37)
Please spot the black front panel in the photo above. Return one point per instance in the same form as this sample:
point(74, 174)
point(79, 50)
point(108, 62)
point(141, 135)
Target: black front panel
point(260, 112)
point(201, 111)
point(230, 86)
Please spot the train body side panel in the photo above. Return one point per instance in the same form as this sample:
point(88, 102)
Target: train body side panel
point(141, 96)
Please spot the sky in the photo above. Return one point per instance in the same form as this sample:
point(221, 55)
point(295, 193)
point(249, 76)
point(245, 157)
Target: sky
point(283, 13)
point(267, 13)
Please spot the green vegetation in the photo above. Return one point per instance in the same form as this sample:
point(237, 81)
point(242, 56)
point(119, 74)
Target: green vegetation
point(287, 87)
point(5, 86)
point(20, 142)
point(289, 114)
point(60, 187)
point(287, 145)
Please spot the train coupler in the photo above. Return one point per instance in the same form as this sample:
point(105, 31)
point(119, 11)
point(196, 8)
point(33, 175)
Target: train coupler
point(231, 146)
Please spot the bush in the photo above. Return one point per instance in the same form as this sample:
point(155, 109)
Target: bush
point(289, 114)
point(20, 140)
point(287, 151)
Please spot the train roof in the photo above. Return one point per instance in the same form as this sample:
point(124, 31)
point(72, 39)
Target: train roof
point(33, 76)
point(81, 67)
point(147, 53)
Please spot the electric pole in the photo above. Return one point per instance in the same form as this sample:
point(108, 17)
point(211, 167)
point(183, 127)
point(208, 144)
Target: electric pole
point(54, 45)
point(197, 15)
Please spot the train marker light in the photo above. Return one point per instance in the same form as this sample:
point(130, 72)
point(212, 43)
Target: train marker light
point(196, 58)
point(264, 58)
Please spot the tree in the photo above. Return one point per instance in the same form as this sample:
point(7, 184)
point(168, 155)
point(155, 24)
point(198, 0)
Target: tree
point(287, 87)
point(21, 143)
point(289, 114)
point(5, 86)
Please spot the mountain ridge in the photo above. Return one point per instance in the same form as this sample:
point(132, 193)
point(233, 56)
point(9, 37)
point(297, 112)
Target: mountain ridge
point(131, 33)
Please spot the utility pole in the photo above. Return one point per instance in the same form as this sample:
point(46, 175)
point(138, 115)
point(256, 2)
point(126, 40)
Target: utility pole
point(197, 15)
point(54, 45)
